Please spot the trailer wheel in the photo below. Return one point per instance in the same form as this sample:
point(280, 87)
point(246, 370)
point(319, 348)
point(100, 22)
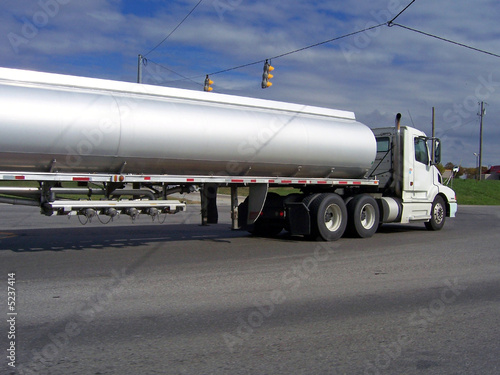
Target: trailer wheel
point(438, 214)
point(364, 216)
point(328, 217)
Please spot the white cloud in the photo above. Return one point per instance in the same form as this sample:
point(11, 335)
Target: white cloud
point(375, 74)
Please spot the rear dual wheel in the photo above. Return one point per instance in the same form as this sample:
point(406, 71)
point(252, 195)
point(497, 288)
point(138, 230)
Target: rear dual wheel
point(328, 217)
point(364, 216)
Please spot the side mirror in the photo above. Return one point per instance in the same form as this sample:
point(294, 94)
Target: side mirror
point(437, 151)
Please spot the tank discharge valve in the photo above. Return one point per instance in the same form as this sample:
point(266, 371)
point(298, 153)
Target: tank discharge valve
point(153, 212)
point(111, 212)
point(132, 212)
point(89, 213)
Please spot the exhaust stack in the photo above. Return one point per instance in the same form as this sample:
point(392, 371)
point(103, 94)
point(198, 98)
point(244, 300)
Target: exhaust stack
point(397, 158)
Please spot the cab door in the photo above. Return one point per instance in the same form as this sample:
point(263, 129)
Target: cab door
point(421, 176)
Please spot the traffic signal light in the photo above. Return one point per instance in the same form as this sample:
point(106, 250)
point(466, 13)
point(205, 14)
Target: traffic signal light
point(208, 82)
point(266, 76)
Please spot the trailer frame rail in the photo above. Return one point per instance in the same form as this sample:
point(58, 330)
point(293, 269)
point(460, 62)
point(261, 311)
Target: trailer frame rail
point(180, 179)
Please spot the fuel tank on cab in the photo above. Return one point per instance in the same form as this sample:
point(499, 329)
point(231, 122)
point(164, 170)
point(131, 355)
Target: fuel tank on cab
point(85, 125)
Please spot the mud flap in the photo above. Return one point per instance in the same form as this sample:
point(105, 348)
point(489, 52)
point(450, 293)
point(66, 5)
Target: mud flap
point(299, 220)
point(256, 200)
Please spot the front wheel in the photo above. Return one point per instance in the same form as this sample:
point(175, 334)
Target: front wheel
point(438, 214)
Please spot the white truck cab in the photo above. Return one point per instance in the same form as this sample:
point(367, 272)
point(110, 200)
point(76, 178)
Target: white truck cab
point(409, 178)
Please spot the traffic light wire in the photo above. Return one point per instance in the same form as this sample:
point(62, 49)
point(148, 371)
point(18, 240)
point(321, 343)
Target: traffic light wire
point(397, 15)
point(298, 50)
point(389, 23)
point(443, 39)
point(173, 71)
point(274, 57)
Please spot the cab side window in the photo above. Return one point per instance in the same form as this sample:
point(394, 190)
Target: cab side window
point(383, 144)
point(421, 152)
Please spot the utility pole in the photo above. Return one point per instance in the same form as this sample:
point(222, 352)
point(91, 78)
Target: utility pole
point(139, 69)
point(481, 114)
point(477, 165)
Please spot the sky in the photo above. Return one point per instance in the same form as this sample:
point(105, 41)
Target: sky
point(375, 74)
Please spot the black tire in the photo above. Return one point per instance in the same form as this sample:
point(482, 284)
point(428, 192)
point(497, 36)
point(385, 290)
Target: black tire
point(438, 214)
point(363, 216)
point(328, 217)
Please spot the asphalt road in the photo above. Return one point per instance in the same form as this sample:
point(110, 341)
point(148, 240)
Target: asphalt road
point(179, 298)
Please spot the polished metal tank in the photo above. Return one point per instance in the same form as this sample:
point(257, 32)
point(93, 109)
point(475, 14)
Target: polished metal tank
point(51, 122)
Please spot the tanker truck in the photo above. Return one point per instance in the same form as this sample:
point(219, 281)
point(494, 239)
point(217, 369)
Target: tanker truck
point(127, 148)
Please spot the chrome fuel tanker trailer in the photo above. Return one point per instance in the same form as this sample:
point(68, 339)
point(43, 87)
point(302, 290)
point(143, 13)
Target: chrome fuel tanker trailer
point(127, 147)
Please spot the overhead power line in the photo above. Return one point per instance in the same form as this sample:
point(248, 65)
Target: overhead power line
point(299, 49)
point(309, 46)
point(445, 40)
point(173, 71)
point(175, 28)
point(329, 41)
point(397, 15)
point(283, 54)
point(315, 44)
point(389, 23)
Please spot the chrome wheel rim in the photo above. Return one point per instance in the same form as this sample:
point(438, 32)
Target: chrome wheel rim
point(367, 216)
point(333, 217)
point(438, 213)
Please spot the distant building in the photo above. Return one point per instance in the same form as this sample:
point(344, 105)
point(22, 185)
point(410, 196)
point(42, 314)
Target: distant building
point(493, 173)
